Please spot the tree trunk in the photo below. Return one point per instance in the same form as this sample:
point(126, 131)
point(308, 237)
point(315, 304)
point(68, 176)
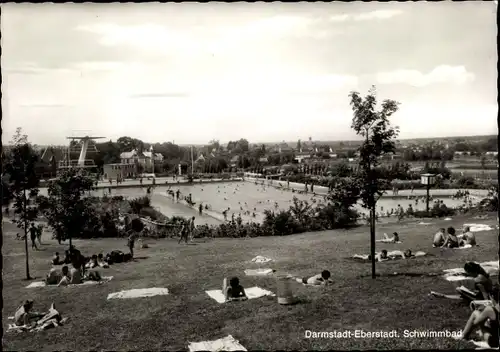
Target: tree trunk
point(26, 238)
point(372, 239)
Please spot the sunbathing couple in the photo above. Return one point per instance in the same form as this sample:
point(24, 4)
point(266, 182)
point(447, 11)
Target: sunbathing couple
point(385, 255)
point(451, 240)
point(24, 316)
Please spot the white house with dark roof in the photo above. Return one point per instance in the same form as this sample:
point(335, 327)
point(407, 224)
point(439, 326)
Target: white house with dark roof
point(143, 158)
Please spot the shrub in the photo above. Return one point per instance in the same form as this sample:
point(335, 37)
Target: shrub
point(437, 211)
point(137, 204)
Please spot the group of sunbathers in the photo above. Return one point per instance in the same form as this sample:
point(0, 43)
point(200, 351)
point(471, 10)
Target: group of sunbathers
point(82, 268)
point(451, 240)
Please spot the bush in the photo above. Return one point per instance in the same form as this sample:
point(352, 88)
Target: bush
point(153, 214)
point(437, 211)
point(137, 204)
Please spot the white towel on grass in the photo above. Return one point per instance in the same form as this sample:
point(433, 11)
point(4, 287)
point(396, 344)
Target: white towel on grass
point(87, 282)
point(424, 223)
point(252, 292)
point(258, 272)
point(261, 259)
point(139, 293)
point(227, 343)
point(466, 246)
point(479, 227)
point(447, 219)
point(387, 240)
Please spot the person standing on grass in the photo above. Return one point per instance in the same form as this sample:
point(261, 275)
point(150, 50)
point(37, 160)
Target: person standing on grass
point(184, 232)
point(39, 233)
point(191, 228)
point(131, 242)
point(33, 234)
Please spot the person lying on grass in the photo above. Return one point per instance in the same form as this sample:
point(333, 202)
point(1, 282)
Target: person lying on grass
point(482, 283)
point(393, 239)
point(451, 240)
point(485, 320)
point(233, 292)
point(439, 238)
point(320, 279)
point(379, 257)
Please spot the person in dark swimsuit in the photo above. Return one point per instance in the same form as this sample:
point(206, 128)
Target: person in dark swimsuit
point(451, 240)
point(234, 292)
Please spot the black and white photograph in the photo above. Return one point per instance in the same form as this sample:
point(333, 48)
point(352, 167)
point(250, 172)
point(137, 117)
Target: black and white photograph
point(237, 176)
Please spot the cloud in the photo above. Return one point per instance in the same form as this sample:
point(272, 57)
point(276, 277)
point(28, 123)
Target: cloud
point(275, 85)
point(374, 15)
point(159, 95)
point(340, 18)
point(377, 15)
point(31, 68)
point(104, 66)
point(148, 36)
point(44, 106)
point(440, 74)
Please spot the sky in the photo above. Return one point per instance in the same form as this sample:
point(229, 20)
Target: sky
point(193, 72)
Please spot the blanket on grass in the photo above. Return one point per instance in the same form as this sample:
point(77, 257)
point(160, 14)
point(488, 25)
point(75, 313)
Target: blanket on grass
point(227, 343)
point(53, 323)
point(479, 227)
point(139, 293)
point(259, 272)
point(87, 282)
point(252, 292)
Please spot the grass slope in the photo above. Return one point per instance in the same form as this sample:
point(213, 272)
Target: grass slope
point(355, 301)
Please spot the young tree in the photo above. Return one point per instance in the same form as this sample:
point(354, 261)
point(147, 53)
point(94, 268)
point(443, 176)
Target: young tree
point(23, 185)
point(379, 139)
point(68, 211)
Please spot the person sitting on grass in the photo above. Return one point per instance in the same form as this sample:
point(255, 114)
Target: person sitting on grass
point(234, 292)
point(93, 262)
point(482, 283)
point(56, 260)
point(24, 314)
point(320, 279)
point(65, 278)
point(439, 238)
point(101, 262)
point(486, 320)
point(468, 237)
point(451, 240)
point(75, 275)
point(93, 275)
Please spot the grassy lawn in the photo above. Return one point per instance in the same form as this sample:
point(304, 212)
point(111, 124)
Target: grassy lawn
point(355, 301)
